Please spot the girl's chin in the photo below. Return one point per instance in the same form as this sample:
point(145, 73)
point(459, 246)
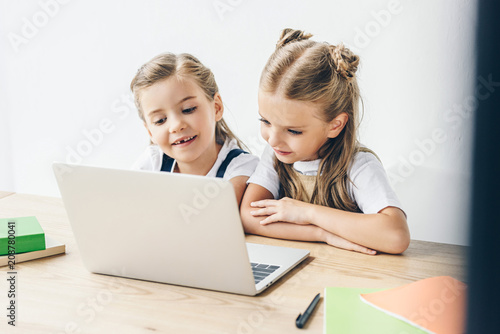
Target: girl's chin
point(285, 159)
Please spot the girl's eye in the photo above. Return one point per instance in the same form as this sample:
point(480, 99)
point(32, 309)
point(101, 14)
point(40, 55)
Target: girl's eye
point(293, 132)
point(160, 121)
point(189, 110)
point(264, 121)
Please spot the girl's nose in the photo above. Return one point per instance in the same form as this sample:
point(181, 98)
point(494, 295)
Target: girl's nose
point(177, 124)
point(273, 139)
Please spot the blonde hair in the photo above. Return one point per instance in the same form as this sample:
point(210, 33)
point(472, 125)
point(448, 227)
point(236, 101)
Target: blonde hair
point(183, 65)
point(305, 70)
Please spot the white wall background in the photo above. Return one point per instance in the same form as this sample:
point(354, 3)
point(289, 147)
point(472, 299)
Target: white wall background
point(65, 68)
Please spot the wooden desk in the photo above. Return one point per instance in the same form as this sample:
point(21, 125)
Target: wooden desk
point(58, 295)
point(5, 194)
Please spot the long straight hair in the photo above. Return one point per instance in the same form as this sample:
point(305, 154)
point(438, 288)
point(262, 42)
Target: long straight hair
point(182, 65)
point(305, 70)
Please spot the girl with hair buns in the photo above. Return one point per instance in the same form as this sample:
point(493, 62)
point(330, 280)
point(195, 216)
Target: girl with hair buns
point(179, 103)
point(315, 182)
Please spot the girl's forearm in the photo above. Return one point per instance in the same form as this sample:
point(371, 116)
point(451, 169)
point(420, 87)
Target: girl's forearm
point(288, 231)
point(386, 231)
point(239, 185)
point(252, 224)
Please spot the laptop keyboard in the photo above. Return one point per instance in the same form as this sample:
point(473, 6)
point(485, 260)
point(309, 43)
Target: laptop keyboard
point(261, 271)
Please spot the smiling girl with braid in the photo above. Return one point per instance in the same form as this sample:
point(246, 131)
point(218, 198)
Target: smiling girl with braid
point(180, 106)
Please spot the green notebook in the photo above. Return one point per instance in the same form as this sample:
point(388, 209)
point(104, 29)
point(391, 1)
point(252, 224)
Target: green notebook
point(346, 313)
point(28, 234)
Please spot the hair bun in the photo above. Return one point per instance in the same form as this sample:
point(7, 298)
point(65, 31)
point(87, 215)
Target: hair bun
point(345, 61)
point(291, 35)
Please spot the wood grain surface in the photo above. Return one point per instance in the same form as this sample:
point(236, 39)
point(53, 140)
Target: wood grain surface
point(58, 295)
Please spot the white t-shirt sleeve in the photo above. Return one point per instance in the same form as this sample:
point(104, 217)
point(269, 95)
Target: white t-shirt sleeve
point(371, 189)
point(265, 175)
point(150, 160)
point(242, 165)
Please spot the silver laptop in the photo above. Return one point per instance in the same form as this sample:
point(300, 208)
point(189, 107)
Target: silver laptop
point(167, 227)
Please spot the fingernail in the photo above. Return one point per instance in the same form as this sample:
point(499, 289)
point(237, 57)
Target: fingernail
point(252, 212)
point(252, 204)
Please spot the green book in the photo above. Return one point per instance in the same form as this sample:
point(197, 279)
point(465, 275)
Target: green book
point(20, 235)
point(346, 313)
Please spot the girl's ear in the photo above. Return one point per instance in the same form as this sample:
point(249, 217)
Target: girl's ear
point(337, 125)
point(149, 133)
point(219, 107)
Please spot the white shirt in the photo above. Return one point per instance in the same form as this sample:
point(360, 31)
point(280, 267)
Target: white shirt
point(242, 165)
point(371, 190)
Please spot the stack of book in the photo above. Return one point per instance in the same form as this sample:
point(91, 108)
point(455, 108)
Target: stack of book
point(434, 305)
point(23, 239)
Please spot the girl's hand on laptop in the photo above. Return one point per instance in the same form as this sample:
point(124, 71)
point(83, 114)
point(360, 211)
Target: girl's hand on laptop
point(339, 242)
point(284, 210)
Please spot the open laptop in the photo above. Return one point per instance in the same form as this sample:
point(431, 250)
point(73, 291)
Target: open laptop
point(167, 227)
